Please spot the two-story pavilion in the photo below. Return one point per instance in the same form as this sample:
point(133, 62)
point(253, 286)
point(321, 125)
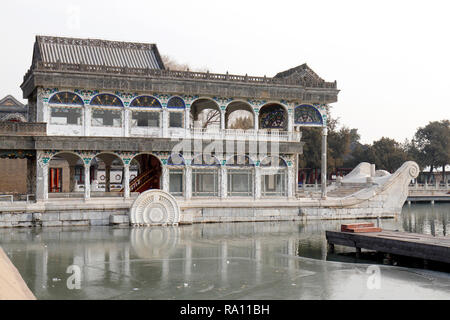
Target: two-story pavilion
point(106, 105)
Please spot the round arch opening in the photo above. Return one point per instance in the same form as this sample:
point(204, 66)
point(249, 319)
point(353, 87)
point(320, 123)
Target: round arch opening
point(239, 115)
point(147, 171)
point(205, 114)
point(66, 174)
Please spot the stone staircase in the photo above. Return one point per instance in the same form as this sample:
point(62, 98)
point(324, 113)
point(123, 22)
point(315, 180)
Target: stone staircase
point(345, 190)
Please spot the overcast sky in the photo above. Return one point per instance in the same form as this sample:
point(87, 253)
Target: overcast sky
point(391, 59)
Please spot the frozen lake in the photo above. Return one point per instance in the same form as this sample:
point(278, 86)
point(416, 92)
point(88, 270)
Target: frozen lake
point(277, 260)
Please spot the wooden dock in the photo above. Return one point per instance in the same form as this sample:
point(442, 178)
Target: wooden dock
point(414, 245)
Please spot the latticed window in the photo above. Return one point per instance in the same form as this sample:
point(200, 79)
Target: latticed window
point(145, 101)
point(240, 182)
point(205, 176)
point(176, 182)
point(205, 182)
point(240, 176)
point(176, 119)
point(106, 117)
point(306, 114)
point(274, 184)
point(67, 98)
point(145, 119)
point(273, 177)
point(66, 116)
point(106, 100)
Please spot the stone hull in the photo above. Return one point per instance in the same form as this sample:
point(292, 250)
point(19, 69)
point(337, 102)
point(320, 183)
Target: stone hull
point(384, 199)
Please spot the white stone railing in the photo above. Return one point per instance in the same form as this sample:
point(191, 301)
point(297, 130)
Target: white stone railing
point(425, 186)
point(239, 134)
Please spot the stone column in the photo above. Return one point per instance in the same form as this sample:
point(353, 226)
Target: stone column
point(31, 176)
point(187, 113)
point(324, 162)
point(256, 124)
point(107, 177)
point(222, 120)
point(290, 182)
point(41, 181)
point(71, 178)
point(165, 179)
point(257, 183)
point(372, 170)
point(87, 181)
point(223, 187)
point(290, 119)
point(126, 124)
point(188, 183)
point(126, 181)
point(87, 120)
point(42, 110)
point(164, 123)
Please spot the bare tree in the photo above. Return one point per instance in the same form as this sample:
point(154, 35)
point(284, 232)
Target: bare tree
point(212, 117)
point(243, 123)
point(172, 64)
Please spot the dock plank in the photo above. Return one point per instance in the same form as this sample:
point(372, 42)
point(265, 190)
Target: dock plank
point(401, 243)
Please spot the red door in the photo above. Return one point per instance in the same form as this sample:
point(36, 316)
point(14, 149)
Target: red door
point(55, 180)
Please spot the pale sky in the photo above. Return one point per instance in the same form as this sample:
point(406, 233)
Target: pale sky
point(391, 59)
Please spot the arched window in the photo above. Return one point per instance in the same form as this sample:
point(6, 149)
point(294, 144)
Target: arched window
point(67, 98)
point(102, 116)
point(66, 109)
point(240, 160)
point(274, 162)
point(205, 160)
point(146, 102)
point(146, 118)
point(307, 114)
point(106, 100)
point(176, 159)
point(273, 116)
point(176, 102)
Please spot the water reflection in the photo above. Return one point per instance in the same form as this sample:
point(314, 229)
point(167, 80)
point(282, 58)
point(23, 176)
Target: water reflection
point(271, 260)
point(427, 219)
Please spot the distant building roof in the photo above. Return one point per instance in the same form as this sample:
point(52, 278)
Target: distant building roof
point(10, 101)
point(12, 110)
point(96, 52)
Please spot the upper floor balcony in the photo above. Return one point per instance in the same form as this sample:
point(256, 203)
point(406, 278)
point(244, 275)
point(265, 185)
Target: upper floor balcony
point(108, 115)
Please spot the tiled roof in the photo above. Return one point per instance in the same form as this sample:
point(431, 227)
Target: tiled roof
point(10, 101)
point(301, 72)
point(97, 52)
